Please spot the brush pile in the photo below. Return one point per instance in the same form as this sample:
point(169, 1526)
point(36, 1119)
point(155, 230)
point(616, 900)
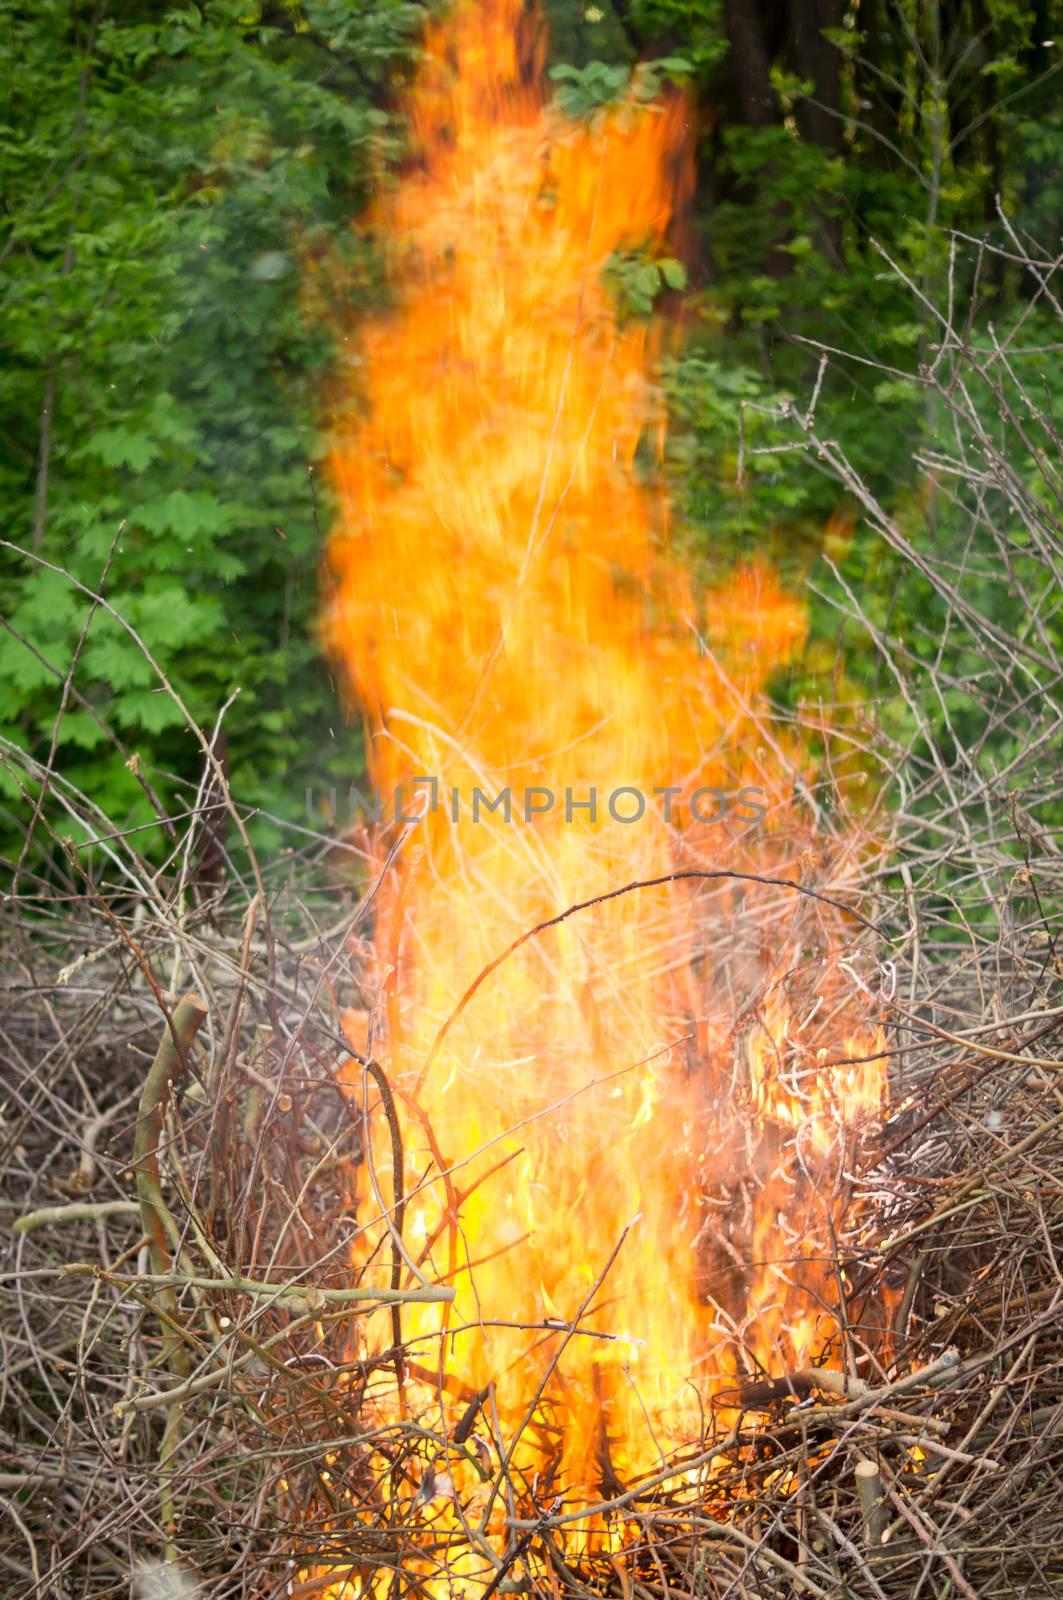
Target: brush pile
point(185, 1399)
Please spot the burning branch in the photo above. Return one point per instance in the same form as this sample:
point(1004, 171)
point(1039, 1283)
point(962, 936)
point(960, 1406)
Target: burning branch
point(522, 939)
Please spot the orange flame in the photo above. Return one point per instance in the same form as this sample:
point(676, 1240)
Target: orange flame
point(512, 620)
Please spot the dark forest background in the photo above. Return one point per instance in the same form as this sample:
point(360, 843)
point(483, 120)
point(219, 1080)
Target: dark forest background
point(169, 177)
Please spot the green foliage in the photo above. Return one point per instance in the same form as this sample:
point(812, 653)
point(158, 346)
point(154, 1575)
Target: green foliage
point(164, 175)
point(698, 24)
point(583, 91)
point(582, 31)
point(178, 185)
point(636, 279)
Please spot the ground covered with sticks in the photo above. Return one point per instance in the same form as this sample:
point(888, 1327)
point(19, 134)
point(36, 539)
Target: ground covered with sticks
point(184, 1406)
point(210, 1413)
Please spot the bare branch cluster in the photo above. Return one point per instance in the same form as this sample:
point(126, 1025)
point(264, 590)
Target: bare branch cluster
point(187, 1170)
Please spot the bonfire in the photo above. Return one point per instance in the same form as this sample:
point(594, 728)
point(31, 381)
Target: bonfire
point(564, 1178)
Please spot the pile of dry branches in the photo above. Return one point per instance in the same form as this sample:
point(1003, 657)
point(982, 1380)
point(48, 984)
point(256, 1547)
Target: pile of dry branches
point(183, 1115)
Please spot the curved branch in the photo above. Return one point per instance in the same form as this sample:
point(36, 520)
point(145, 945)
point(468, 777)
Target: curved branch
point(614, 894)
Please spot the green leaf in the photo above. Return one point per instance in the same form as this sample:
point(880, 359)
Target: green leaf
point(122, 447)
point(147, 711)
point(116, 661)
point(647, 280)
point(673, 272)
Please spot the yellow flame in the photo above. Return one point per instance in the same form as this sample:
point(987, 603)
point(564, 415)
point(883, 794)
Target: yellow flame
point(511, 617)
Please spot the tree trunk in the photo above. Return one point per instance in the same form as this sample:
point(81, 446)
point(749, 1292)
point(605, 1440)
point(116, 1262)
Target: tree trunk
point(745, 29)
point(819, 61)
